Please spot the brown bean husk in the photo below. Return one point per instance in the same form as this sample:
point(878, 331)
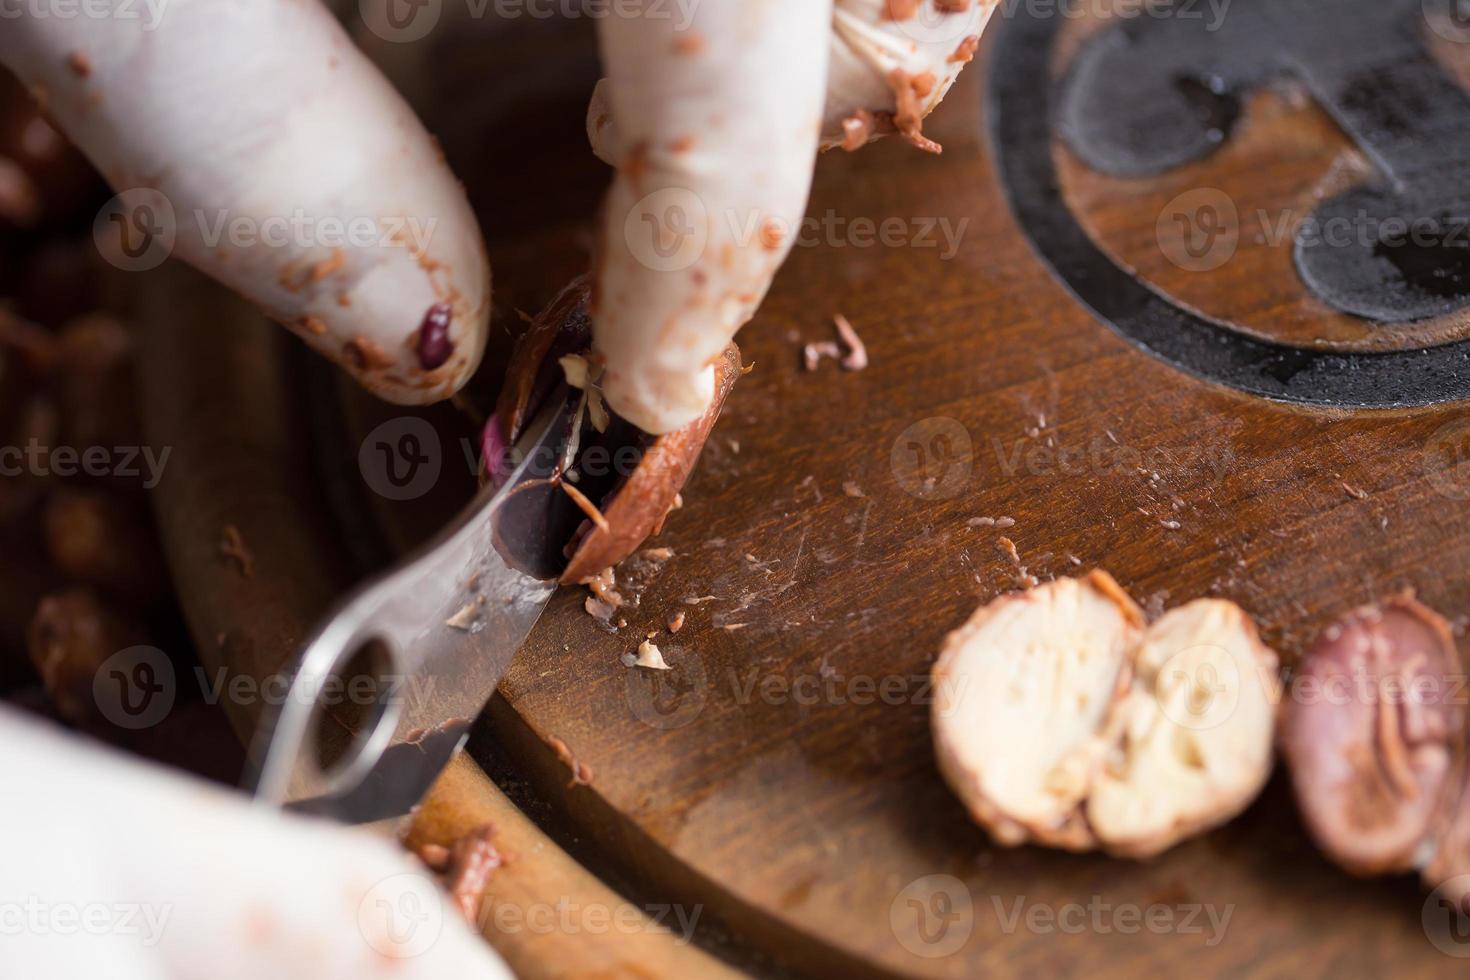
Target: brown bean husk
point(635, 509)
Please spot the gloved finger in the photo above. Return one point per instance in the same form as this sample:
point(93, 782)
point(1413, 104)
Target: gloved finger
point(893, 61)
point(714, 128)
point(120, 869)
point(269, 153)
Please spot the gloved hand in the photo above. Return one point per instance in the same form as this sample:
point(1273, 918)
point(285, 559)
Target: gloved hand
point(114, 868)
point(280, 162)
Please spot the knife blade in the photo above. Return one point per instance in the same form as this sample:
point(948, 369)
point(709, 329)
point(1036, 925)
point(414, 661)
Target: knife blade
point(382, 696)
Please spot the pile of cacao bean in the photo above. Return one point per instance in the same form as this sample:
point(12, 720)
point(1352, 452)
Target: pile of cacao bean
point(82, 577)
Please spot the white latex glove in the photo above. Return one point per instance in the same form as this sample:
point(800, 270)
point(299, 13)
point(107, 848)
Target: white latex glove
point(284, 166)
point(714, 129)
point(262, 137)
point(111, 868)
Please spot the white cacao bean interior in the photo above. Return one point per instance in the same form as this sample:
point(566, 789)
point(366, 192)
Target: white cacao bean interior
point(1194, 740)
point(1059, 718)
point(1022, 694)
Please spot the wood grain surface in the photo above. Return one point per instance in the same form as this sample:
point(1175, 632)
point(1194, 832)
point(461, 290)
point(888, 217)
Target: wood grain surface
point(780, 777)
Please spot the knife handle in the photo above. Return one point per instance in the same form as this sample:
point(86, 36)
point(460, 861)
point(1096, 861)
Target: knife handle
point(476, 576)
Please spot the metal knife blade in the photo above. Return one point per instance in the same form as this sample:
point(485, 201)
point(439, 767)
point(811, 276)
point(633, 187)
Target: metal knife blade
point(442, 628)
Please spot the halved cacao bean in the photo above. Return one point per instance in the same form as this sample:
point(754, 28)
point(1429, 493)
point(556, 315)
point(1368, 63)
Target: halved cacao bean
point(1373, 732)
point(1060, 717)
point(72, 634)
point(105, 540)
point(1448, 871)
point(64, 278)
point(96, 386)
point(25, 577)
point(1052, 662)
point(43, 178)
point(34, 431)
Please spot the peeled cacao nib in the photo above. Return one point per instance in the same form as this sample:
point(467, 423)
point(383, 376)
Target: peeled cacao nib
point(1061, 717)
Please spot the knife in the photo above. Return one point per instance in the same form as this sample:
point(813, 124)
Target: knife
point(382, 696)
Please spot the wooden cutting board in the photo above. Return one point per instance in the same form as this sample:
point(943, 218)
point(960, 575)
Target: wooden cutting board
point(1196, 428)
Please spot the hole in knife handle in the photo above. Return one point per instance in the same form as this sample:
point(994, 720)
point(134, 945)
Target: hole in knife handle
point(356, 711)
